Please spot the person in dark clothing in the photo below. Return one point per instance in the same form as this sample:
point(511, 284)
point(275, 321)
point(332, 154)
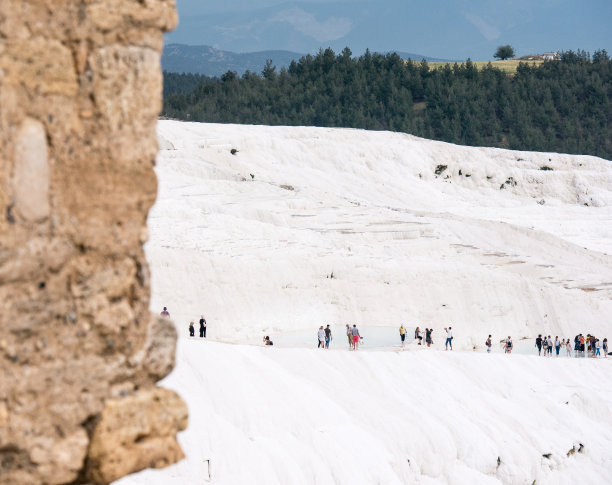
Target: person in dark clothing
point(202, 327)
point(328, 336)
point(539, 344)
point(191, 329)
point(576, 345)
point(428, 339)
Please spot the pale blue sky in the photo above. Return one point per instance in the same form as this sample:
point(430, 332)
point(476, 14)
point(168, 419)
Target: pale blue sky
point(451, 29)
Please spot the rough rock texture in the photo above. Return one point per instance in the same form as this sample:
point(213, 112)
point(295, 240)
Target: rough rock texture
point(153, 417)
point(80, 90)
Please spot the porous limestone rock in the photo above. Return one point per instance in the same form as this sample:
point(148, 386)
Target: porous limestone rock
point(153, 416)
point(80, 90)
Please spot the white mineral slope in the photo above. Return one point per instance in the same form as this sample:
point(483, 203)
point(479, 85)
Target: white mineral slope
point(256, 255)
point(494, 244)
point(276, 416)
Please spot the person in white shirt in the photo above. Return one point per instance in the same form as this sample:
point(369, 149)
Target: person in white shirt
point(449, 338)
point(598, 348)
point(321, 337)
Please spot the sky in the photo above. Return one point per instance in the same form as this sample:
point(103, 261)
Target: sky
point(449, 29)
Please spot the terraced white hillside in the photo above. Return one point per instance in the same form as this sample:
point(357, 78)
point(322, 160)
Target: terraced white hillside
point(256, 254)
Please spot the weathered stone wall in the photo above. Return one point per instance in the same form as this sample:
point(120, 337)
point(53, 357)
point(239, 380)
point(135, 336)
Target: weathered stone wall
point(80, 91)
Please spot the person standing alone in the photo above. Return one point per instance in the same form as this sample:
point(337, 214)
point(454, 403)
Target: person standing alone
point(508, 346)
point(402, 332)
point(449, 338)
point(202, 327)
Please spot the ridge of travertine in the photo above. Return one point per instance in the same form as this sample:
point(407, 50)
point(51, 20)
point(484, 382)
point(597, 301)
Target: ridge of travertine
point(80, 91)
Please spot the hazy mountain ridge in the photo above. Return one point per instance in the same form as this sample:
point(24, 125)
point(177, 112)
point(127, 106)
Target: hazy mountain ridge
point(457, 30)
point(210, 61)
point(214, 62)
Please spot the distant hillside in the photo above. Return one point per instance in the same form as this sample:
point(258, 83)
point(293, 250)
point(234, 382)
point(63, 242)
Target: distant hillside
point(419, 57)
point(209, 61)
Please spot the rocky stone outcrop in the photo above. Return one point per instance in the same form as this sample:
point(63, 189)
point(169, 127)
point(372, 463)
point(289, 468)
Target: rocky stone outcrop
point(80, 90)
point(136, 432)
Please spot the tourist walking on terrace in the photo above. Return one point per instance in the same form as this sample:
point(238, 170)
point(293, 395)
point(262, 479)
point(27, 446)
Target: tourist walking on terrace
point(349, 335)
point(597, 348)
point(418, 335)
point(321, 338)
point(605, 347)
point(428, 338)
point(449, 338)
point(402, 332)
point(538, 344)
point(356, 337)
point(588, 343)
point(576, 345)
point(191, 330)
point(202, 327)
point(508, 345)
point(568, 348)
point(165, 313)
point(328, 336)
point(549, 345)
point(557, 345)
point(488, 344)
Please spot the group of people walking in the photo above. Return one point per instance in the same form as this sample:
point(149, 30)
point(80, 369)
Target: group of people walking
point(507, 344)
point(324, 337)
point(166, 313)
point(418, 336)
point(582, 346)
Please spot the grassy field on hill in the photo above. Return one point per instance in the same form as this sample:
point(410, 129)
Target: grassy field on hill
point(508, 65)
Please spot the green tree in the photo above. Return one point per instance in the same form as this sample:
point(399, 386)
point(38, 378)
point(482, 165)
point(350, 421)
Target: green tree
point(269, 70)
point(504, 52)
point(600, 55)
point(562, 105)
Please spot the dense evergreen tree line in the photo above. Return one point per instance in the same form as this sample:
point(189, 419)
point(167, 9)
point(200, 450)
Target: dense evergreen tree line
point(563, 105)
